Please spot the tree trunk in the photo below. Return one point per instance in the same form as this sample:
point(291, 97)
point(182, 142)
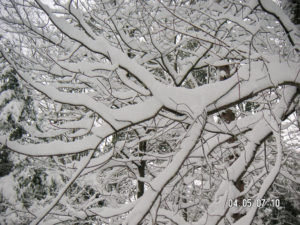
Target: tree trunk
point(141, 169)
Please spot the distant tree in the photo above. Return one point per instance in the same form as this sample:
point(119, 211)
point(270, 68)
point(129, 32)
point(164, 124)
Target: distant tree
point(293, 9)
point(15, 106)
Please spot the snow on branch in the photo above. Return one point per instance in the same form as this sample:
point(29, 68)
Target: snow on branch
point(179, 103)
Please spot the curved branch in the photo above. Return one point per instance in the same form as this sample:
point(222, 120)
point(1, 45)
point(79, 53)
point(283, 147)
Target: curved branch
point(47, 210)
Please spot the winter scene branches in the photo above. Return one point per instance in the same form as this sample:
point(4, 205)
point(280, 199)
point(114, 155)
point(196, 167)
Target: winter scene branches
point(149, 112)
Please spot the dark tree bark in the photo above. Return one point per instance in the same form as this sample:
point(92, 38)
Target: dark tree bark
point(141, 169)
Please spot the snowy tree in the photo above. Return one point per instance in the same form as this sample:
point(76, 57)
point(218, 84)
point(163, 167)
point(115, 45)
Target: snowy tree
point(155, 111)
